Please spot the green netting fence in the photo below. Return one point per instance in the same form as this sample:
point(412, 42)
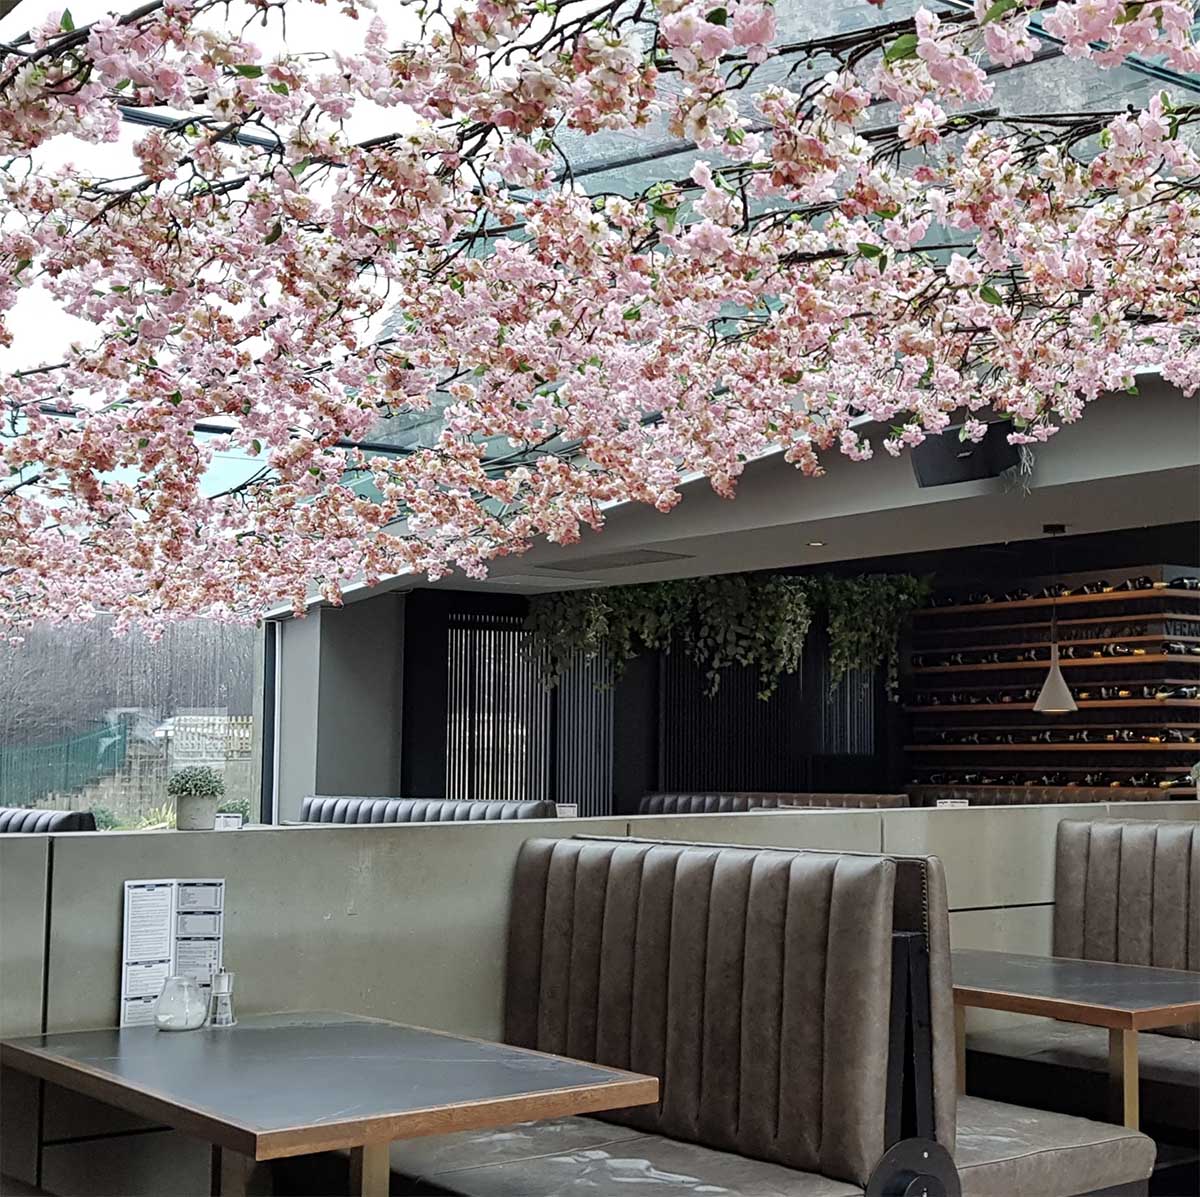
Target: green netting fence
point(30, 772)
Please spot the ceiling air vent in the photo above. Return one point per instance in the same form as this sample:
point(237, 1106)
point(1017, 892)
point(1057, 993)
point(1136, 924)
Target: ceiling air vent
point(625, 560)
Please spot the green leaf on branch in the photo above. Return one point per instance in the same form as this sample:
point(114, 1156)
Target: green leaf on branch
point(280, 89)
point(905, 46)
point(21, 265)
point(632, 314)
point(249, 70)
point(868, 250)
point(67, 22)
point(274, 235)
point(989, 294)
point(997, 11)
point(717, 16)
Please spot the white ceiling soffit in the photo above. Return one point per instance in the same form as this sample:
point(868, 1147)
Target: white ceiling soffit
point(621, 560)
point(1131, 462)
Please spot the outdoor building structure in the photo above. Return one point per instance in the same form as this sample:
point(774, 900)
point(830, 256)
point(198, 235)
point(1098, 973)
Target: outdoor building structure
point(375, 697)
point(801, 927)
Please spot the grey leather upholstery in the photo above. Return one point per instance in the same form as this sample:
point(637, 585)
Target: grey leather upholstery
point(732, 974)
point(1129, 892)
point(584, 1157)
point(1031, 795)
point(1041, 1056)
point(20, 819)
point(326, 809)
point(756, 984)
point(722, 803)
point(1124, 891)
point(1007, 1150)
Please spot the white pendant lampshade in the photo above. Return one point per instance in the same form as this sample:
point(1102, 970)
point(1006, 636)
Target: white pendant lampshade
point(1055, 697)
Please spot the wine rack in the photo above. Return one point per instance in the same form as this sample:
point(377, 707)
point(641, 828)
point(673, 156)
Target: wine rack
point(1130, 652)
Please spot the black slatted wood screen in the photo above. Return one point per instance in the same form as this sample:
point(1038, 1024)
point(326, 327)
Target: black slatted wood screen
point(508, 736)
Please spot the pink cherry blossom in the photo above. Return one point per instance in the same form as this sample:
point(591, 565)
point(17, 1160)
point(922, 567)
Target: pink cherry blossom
point(267, 274)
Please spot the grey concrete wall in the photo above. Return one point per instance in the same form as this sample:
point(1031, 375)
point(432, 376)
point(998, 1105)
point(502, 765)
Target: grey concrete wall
point(408, 922)
point(359, 706)
point(24, 863)
point(402, 921)
point(846, 831)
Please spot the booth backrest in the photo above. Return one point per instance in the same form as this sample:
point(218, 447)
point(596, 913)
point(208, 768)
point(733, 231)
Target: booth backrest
point(1129, 892)
point(21, 819)
point(719, 803)
point(1033, 795)
point(755, 983)
point(326, 809)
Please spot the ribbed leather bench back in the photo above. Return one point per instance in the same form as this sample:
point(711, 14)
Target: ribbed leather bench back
point(722, 803)
point(325, 809)
point(19, 819)
point(1129, 892)
point(754, 983)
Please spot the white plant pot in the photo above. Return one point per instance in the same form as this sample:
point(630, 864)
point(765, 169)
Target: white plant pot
point(195, 814)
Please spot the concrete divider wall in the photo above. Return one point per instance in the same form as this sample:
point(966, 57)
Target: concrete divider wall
point(24, 884)
point(410, 922)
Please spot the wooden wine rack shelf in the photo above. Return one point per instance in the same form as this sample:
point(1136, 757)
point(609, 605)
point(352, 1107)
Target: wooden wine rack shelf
point(1187, 749)
point(1145, 617)
point(1111, 793)
point(1112, 596)
point(954, 708)
point(1065, 662)
point(1001, 627)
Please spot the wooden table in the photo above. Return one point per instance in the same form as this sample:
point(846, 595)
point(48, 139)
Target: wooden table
point(1125, 998)
point(292, 1084)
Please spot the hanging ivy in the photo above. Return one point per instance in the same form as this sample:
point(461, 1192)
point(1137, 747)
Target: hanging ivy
point(865, 618)
point(759, 621)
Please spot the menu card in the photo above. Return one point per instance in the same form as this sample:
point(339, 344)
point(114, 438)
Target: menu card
point(172, 927)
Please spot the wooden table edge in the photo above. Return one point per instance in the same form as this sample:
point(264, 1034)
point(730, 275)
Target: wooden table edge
point(1069, 1010)
point(633, 1089)
point(148, 1103)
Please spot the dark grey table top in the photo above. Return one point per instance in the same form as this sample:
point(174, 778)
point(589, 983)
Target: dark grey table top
point(289, 1084)
point(1096, 992)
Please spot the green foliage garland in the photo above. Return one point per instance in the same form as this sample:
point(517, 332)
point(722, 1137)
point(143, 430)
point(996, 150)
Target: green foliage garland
point(759, 622)
point(762, 623)
point(865, 617)
point(755, 620)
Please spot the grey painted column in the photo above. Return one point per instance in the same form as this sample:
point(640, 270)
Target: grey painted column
point(340, 685)
point(361, 684)
point(299, 676)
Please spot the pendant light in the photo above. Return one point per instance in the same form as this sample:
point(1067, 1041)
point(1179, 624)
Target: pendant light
point(1055, 697)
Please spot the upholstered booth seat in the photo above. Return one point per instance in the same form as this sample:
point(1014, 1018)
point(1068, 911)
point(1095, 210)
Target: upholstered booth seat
point(755, 983)
point(927, 795)
point(324, 809)
point(19, 819)
point(1127, 892)
point(1005, 1150)
point(1071, 1061)
point(722, 803)
point(584, 1156)
point(1002, 1151)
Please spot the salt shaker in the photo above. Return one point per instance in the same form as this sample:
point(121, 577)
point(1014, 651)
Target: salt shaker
point(222, 1000)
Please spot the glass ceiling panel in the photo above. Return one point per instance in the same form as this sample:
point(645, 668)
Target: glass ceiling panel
point(628, 163)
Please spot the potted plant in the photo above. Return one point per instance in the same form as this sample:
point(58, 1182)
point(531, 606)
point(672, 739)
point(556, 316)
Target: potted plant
point(197, 791)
